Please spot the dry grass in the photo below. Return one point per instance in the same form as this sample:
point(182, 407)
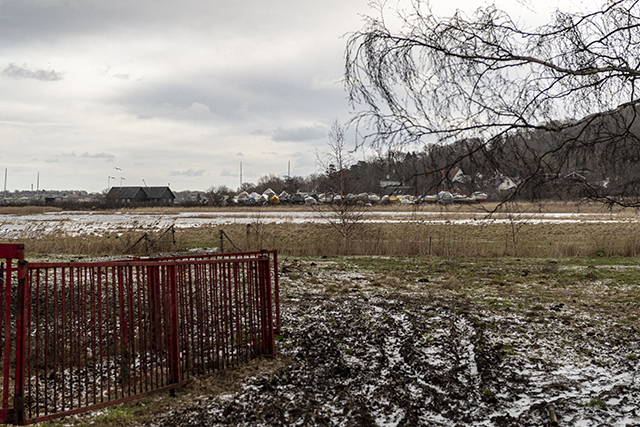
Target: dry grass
point(522, 237)
point(539, 207)
point(528, 240)
point(27, 210)
point(91, 245)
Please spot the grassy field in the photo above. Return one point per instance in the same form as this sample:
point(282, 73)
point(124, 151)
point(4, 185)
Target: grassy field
point(454, 230)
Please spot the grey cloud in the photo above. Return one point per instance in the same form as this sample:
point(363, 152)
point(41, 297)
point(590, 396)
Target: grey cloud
point(15, 72)
point(109, 157)
point(240, 154)
point(23, 21)
point(236, 98)
point(298, 134)
point(188, 172)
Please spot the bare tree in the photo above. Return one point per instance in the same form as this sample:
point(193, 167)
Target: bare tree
point(549, 99)
point(218, 196)
point(344, 214)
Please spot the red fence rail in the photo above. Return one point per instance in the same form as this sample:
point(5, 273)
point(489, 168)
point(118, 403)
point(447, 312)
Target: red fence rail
point(81, 336)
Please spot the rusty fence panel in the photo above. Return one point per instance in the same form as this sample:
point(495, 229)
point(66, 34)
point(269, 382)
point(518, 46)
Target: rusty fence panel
point(273, 256)
point(90, 335)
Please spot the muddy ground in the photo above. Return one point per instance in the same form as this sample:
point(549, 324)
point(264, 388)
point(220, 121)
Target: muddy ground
point(361, 347)
point(407, 342)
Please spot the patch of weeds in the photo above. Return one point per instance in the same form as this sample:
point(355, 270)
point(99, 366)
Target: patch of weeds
point(602, 363)
point(348, 351)
point(295, 276)
point(116, 415)
point(333, 288)
point(312, 279)
point(428, 338)
point(487, 392)
point(591, 276)
point(586, 352)
point(452, 284)
point(507, 350)
point(631, 357)
point(494, 283)
point(594, 402)
point(496, 301)
point(550, 269)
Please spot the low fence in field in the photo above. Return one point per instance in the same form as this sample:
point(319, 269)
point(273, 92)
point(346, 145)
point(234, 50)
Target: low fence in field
point(85, 335)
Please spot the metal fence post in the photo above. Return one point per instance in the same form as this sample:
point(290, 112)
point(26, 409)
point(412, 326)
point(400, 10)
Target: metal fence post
point(269, 307)
point(6, 281)
point(21, 336)
point(173, 344)
point(276, 290)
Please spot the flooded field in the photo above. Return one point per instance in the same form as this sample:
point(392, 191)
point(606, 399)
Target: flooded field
point(91, 223)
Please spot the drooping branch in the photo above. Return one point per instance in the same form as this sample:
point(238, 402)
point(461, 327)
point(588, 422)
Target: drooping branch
point(574, 81)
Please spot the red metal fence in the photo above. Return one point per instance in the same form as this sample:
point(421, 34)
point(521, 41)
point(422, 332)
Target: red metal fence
point(84, 335)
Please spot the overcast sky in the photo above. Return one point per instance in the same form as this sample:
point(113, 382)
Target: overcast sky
point(177, 93)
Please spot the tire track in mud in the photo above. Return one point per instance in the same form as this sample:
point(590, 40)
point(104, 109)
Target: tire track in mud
point(382, 358)
point(393, 361)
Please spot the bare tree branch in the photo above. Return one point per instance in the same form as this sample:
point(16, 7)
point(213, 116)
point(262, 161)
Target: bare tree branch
point(572, 81)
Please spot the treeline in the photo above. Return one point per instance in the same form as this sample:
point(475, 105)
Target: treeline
point(527, 165)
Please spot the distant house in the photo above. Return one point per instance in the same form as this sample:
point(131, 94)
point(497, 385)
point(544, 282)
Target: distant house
point(390, 184)
point(575, 176)
point(150, 195)
point(389, 180)
point(456, 175)
point(504, 183)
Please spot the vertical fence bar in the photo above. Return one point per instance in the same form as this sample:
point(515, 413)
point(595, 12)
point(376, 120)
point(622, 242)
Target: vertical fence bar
point(7, 336)
point(276, 290)
point(19, 410)
point(174, 341)
point(269, 304)
point(99, 306)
